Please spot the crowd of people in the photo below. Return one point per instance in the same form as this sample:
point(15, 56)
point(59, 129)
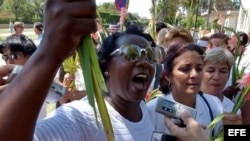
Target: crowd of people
point(17, 28)
point(194, 73)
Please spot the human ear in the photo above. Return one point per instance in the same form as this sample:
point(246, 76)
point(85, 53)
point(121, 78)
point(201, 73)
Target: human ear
point(168, 77)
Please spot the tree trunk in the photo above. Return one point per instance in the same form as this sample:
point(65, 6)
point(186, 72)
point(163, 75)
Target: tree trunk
point(210, 5)
point(163, 12)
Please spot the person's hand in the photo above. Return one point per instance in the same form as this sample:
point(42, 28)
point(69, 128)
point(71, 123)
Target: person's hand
point(232, 119)
point(66, 21)
point(68, 79)
point(192, 132)
point(231, 91)
point(5, 70)
point(71, 94)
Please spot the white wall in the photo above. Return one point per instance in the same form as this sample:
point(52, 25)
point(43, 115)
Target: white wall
point(228, 18)
point(243, 23)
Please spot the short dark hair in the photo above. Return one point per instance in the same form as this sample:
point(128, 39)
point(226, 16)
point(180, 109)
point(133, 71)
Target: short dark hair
point(38, 26)
point(243, 38)
point(222, 36)
point(109, 44)
point(19, 43)
point(160, 25)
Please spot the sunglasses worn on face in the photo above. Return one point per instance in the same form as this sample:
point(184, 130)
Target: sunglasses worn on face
point(11, 57)
point(134, 52)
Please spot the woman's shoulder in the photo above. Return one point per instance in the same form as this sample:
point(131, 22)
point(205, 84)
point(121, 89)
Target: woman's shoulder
point(153, 101)
point(210, 98)
point(212, 101)
point(77, 118)
point(227, 101)
point(78, 107)
point(228, 105)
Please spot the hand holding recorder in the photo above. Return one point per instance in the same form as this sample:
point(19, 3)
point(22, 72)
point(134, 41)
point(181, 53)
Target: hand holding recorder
point(192, 132)
point(173, 110)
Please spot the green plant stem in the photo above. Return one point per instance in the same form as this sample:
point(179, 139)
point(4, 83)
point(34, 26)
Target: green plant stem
point(95, 81)
point(220, 136)
point(241, 100)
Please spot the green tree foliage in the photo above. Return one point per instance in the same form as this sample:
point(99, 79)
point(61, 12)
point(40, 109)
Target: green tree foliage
point(236, 3)
point(166, 11)
point(14, 6)
point(200, 22)
point(110, 15)
point(1, 2)
point(107, 18)
point(174, 12)
point(24, 10)
point(108, 7)
point(134, 17)
point(38, 6)
point(187, 11)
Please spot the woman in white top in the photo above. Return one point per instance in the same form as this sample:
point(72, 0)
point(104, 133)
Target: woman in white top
point(180, 82)
point(217, 65)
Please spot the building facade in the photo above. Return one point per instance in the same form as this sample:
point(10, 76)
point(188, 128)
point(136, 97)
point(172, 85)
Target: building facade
point(243, 23)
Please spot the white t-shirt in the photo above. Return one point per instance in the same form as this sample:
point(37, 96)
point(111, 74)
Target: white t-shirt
point(53, 97)
point(75, 121)
point(79, 81)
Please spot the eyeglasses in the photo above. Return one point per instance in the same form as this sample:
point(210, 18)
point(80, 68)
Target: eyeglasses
point(134, 52)
point(11, 57)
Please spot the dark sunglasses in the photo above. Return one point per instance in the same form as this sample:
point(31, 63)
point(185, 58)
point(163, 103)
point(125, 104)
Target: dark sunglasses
point(11, 57)
point(134, 52)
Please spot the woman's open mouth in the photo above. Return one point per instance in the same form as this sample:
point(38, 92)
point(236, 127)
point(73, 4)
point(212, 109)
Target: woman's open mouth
point(140, 82)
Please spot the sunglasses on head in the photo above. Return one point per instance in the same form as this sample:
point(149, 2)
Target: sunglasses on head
point(11, 56)
point(134, 52)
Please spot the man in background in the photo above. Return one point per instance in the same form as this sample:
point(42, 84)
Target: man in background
point(38, 29)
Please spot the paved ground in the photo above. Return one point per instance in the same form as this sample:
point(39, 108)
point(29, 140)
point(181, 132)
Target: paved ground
point(27, 31)
point(4, 32)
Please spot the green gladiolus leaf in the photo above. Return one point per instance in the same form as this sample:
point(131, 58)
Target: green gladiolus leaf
point(94, 81)
point(155, 93)
point(212, 125)
point(215, 121)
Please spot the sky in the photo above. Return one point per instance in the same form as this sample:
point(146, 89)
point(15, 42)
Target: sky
point(135, 6)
